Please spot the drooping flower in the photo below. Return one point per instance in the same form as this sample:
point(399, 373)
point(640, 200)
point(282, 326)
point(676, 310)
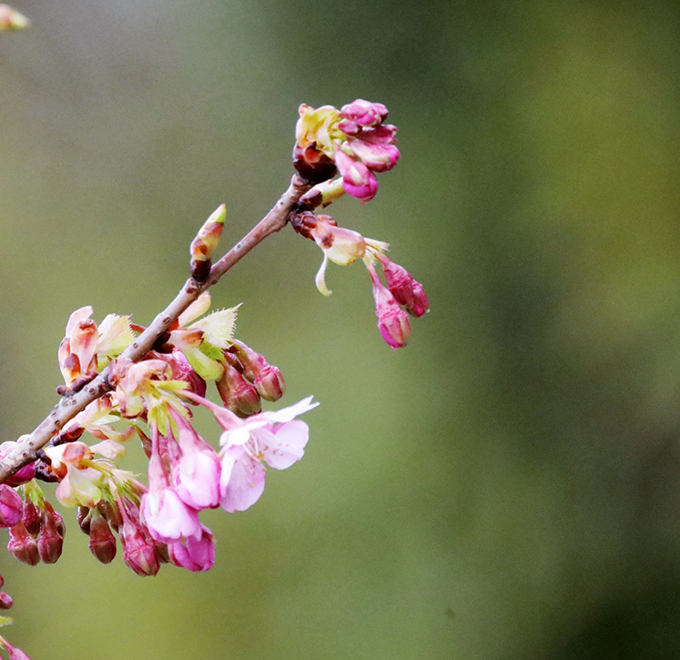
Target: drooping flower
point(194, 554)
point(196, 475)
point(13, 653)
point(393, 322)
point(166, 515)
point(405, 289)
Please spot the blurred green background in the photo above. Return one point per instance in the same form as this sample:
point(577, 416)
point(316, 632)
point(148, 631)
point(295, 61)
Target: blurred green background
point(508, 486)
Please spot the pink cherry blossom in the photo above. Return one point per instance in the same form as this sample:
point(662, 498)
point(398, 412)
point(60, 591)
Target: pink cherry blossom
point(10, 506)
point(272, 437)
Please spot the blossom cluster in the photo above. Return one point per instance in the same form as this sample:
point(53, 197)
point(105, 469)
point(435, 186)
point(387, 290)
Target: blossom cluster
point(154, 399)
point(356, 142)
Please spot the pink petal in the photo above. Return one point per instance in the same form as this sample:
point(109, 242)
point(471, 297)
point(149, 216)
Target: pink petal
point(245, 483)
point(288, 446)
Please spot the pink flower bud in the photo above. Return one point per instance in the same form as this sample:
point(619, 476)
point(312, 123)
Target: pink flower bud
point(194, 554)
point(10, 506)
point(102, 542)
point(50, 541)
point(22, 545)
point(364, 113)
point(377, 157)
point(237, 394)
point(31, 518)
point(357, 179)
point(6, 601)
point(139, 551)
point(392, 320)
point(406, 290)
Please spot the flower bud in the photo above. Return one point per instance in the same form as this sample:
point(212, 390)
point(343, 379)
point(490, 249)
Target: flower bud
point(50, 540)
point(392, 320)
point(84, 519)
point(11, 19)
point(205, 244)
point(357, 179)
point(10, 506)
point(111, 513)
point(5, 601)
point(22, 545)
point(31, 518)
point(102, 542)
point(237, 394)
point(364, 113)
point(266, 378)
point(139, 553)
point(406, 290)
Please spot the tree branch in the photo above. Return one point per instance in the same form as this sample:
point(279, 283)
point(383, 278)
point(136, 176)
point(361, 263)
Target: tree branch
point(28, 445)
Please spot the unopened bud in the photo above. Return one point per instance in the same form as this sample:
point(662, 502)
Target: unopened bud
point(323, 194)
point(139, 553)
point(31, 518)
point(22, 545)
point(266, 378)
point(111, 513)
point(392, 320)
point(5, 601)
point(50, 540)
point(83, 518)
point(102, 542)
point(205, 244)
point(10, 506)
point(237, 394)
point(406, 290)
point(11, 19)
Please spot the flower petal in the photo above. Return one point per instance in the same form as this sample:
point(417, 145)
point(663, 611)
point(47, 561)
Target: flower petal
point(320, 278)
point(288, 446)
point(244, 486)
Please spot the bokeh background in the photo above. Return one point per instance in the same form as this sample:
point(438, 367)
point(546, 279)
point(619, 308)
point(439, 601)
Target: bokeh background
point(508, 486)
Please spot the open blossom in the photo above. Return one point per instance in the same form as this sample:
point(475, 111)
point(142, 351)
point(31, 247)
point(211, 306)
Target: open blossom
point(275, 437)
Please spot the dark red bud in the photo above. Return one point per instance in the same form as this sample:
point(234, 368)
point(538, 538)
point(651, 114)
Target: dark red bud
point(31, 518)
point(237, 394)
point(5, 601)
point(83, 518)
point(111, 513)
point(22, 545)
point(102, 542)
point(50, 541)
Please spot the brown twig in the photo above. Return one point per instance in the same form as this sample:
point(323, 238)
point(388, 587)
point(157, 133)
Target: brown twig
point(28, 445)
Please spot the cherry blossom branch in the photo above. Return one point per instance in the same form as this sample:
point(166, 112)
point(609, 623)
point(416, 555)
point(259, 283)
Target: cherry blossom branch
point(28, 446)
